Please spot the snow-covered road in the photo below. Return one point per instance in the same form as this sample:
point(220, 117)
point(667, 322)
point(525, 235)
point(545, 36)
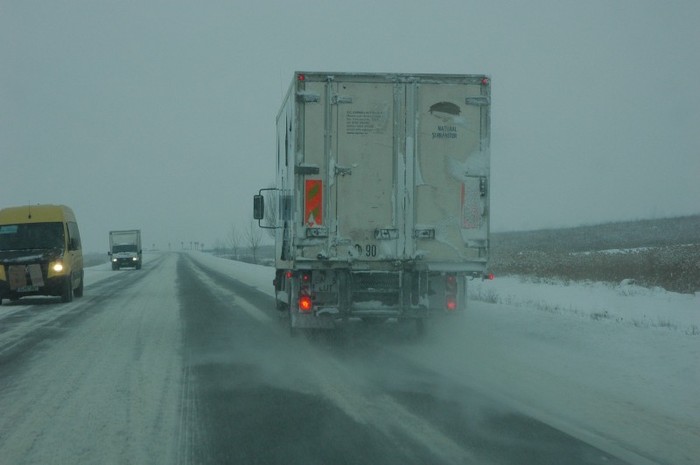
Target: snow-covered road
point(102, 381)
point(186, 361)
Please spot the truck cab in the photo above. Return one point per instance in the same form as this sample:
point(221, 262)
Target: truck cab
point(125, 249)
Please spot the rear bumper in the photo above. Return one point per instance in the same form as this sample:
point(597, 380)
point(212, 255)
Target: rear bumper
point(126, 262)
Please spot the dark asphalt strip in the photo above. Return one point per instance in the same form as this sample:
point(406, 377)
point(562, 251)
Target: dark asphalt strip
point(249, 420)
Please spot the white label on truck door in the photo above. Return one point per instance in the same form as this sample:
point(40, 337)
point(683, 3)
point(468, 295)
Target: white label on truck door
point(362, 122)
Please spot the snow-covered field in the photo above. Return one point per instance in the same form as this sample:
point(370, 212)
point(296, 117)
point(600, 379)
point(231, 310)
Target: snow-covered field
point(622, 304)
point(616, 365)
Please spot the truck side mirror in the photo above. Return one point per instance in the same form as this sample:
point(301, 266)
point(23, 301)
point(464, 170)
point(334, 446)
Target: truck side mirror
point(258, 207)
point(109, 253)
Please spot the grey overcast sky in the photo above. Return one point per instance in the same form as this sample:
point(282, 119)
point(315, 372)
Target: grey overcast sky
point(159, 114)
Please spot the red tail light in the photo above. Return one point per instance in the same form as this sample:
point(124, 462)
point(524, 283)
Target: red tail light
point(305, 303)
point(451, 292)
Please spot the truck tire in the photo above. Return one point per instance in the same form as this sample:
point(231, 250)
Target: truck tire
point(281, 306)
point(67, 292)
point(293, 332)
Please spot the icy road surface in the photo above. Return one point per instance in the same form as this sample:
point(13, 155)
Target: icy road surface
point(186, 362)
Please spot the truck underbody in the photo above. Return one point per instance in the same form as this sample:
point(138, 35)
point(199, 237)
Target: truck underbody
point(326, 298)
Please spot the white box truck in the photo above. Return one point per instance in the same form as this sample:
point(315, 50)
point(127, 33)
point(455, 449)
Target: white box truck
point(125, 249)
point(381, 202)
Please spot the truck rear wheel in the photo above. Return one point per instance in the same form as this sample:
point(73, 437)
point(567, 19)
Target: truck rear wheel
point(291, 297)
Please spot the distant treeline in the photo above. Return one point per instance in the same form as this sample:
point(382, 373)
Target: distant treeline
point(663, 252)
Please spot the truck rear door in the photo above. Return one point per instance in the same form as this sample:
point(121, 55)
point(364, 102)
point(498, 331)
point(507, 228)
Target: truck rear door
point(366, 211)
point(451, 170)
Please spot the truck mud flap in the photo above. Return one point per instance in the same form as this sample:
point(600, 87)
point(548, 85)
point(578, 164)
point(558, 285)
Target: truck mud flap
point(301, 321)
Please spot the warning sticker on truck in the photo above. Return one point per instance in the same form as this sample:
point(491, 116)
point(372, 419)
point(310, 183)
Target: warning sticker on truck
point(313, 202)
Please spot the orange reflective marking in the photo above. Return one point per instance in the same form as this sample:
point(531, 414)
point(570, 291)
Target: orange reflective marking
point(313, 209)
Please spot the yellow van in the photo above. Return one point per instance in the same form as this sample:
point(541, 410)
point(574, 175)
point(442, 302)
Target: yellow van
point(40, 252)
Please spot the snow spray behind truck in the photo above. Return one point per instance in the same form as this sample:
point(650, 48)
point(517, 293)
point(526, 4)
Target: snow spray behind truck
point(125, 249)
point(381, 202)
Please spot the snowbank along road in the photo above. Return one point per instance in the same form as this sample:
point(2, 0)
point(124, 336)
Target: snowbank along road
point(181, 363)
